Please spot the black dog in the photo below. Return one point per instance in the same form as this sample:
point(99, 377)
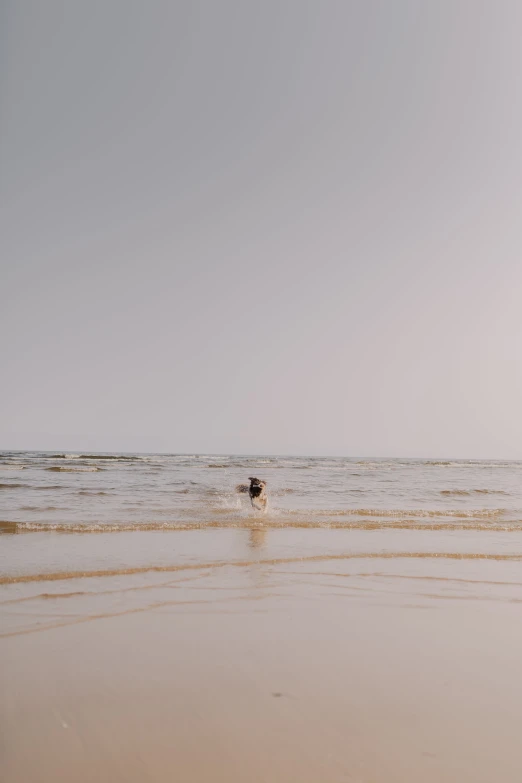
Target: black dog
point(257, 493)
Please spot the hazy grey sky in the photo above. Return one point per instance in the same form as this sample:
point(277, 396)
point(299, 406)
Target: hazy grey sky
point(262, 227)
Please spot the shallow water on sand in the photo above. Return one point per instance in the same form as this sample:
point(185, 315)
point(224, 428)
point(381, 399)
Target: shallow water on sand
point(367, 627)
point(388, 507)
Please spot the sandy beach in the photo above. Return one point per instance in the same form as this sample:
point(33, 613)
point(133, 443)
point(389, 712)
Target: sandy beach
point(261, 380)
point(301, 655)
point(260, 430)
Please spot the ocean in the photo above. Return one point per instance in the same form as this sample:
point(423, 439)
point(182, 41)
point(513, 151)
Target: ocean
point(82, 492)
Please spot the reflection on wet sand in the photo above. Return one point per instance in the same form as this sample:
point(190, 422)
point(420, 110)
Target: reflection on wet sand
point(257, 537)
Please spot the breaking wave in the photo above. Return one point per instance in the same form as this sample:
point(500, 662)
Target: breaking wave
point(398, 512)
point(256, 523)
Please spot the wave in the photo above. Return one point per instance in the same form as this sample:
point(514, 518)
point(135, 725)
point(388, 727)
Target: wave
point(30, 486)
point(251, 523)
point(437, 463)
point(116, 457)
point(63, 469)
point(228, 465)
point(113, 457)
point(398, 512)
point(47, 487)
point(473, 492)
point(470, 464)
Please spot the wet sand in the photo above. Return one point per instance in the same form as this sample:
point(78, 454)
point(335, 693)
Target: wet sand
point(246, 656)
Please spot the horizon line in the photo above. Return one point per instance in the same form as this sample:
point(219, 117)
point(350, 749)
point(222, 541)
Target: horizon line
point(87, 452)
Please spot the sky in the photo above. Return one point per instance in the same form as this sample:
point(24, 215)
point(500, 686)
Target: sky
point(277, 227)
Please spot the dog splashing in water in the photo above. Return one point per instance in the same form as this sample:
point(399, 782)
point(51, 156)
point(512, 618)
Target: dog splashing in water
point(257, 494)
